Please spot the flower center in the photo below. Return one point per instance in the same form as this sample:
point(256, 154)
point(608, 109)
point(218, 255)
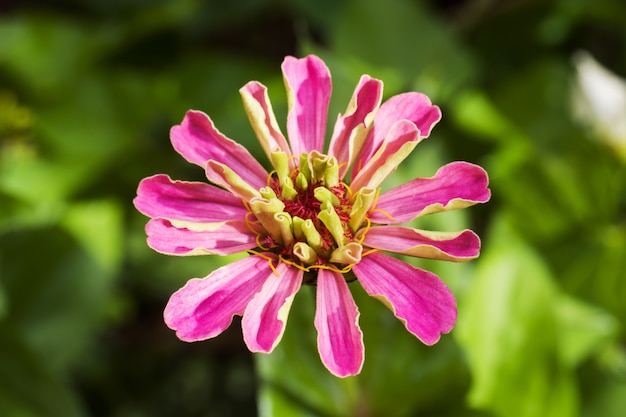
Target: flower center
point(308, 217)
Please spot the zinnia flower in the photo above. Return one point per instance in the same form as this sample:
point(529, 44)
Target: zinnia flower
point(304, 223)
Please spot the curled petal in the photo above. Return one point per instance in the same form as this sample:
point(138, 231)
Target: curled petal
point(205, 307)
point(417, 297)
point(348, 254)
point(399, 143)
point(445, 246)
point(266, 315)
point(213, 239)
point(222, 175)
point(197, 202)
point(262, 118)
point(339, 338)
point(415, 107)
point(455, 185)
point(352, 127)
point(198, 141)
point(308, 85)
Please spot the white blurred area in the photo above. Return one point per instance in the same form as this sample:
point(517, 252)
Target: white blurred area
point(599, 101)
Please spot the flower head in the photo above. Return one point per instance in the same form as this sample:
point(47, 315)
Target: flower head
point(305, 223)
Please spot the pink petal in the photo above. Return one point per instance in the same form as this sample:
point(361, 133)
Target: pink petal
point(399, 143)
point(198, 202)
point(446, 246)
point(308, 85)
point(456, 185)
point(413, 106)
point(259, 109)
point(198, 141)
point(417, 297)
point(223, 176)
point(205, 307)
point(265, 317)
point(339, 338)
point(351, 128)
point(220, 238)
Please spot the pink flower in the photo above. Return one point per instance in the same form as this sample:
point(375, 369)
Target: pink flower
point(304, 223)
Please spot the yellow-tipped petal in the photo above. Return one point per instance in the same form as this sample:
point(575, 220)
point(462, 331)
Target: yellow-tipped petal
point(331, 220)
point(264, 210)
point(323, 194)
point(362, 202)
point(305, 253)
point(348, 254)
point(313, 237)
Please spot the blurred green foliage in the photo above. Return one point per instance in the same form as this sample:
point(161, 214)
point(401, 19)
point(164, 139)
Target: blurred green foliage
point(88, 91)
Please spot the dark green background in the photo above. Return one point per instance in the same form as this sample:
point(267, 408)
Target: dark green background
point(88, 92)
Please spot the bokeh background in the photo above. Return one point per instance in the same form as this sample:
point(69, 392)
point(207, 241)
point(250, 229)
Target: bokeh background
point(531, 90)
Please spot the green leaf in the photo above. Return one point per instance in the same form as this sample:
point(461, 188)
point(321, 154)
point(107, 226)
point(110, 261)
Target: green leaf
point(27, 387)
point(475, 113)
point(276, 402)
point(508, 328)
point(97, 225)
point(57, 294)
point(46, 55)
point(593, 269)
point(27, 177)
point(610, 401)
point(583, 330)
point(3, 300)
point(408, 38)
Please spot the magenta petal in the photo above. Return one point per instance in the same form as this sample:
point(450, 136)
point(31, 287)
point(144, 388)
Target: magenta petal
point(400, 141)
point(339, 338)
point(220, 238)
point(417, 297)
point(198, 202)
point(456, 185)
point(198, 141)
point(205, 307)
point(351, 128)
point(223, 176)
point(265, 317)
point(259, 109)
point(446, 246)
point(413, 106)
point(308, 92)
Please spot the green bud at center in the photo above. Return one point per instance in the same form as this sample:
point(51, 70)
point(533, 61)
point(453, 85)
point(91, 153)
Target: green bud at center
point(310, 216)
